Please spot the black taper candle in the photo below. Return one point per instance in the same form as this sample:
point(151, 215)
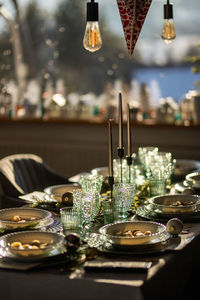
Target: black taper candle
point(110, 157)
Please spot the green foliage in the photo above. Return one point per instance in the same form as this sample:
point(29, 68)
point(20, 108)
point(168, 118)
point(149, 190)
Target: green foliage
point(195, 59)
point(7, 71)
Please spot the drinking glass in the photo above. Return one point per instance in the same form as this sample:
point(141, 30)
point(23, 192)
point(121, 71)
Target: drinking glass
point(161, 166)
point(157, 186)
point(108, 208)
point(143, 151)
point(126, 174)
point(124, 197)
point(146, 154)
point(70, 220)
point(87, 204)
point(91, 183)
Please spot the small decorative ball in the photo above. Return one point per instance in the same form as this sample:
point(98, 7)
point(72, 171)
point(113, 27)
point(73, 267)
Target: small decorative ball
point(72, 241)
point(174, 226)
point(67, 198)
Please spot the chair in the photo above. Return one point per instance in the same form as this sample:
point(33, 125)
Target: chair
point(24, 173)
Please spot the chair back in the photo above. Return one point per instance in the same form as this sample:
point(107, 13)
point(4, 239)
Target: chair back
point(25, 173)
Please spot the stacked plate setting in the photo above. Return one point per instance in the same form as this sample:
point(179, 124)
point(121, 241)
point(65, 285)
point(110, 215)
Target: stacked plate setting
point(28, 245)
point(170, 206)
point(52, 245)
point(114, 241)
point(61, 193)
point(191, 181)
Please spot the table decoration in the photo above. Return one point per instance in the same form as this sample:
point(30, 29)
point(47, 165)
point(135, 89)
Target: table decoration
point(49, 205)
point(174, 226)
point(133, 14)
point(141, 195)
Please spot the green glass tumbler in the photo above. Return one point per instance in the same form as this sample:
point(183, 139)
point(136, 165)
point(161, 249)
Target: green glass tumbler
point(124, 197)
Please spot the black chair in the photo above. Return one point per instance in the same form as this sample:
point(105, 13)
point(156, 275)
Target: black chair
point(24, 173)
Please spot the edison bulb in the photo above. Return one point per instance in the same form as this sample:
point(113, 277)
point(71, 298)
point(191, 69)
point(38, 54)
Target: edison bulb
point(92, 39)
point(168, 31)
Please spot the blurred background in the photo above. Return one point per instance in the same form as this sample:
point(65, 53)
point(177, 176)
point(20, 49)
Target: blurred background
point(58, 77)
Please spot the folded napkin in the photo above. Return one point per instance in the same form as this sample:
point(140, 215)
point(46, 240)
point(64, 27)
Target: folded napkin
point(34, 196)
point(116, 265)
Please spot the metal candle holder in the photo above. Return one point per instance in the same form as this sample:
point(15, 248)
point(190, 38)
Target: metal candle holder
point(129, 160)
point(120, 152)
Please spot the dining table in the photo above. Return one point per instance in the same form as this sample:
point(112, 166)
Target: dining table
point(169, 274)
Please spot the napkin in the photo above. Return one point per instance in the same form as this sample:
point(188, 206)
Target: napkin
point(116, 265)
point(34, 196)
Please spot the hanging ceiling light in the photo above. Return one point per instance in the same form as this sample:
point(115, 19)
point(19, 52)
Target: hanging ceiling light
point(168, 31)
point(92, 39)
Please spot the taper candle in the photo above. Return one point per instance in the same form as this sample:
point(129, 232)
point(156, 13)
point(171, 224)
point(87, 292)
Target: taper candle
point(120, 121)
point(128, 132)
point(110, 149)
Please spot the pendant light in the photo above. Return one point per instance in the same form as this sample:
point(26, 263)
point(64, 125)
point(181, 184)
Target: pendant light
point(92, 39)
point(168, 31)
